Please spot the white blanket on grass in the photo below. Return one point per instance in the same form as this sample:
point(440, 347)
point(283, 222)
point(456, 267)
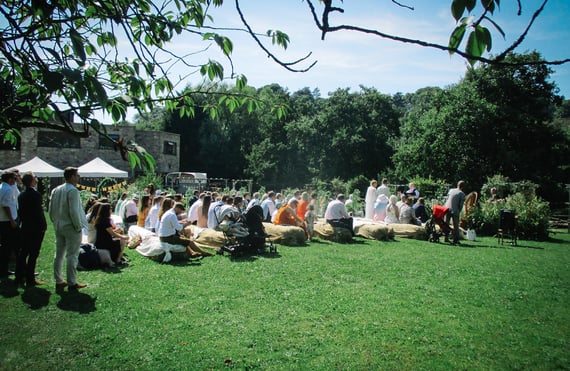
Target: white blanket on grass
point(152, 246)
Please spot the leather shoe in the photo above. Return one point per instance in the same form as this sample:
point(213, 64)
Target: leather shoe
point(60, 286)
point(77, 286)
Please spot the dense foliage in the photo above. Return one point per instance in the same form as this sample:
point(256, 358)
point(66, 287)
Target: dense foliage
point(506, 121)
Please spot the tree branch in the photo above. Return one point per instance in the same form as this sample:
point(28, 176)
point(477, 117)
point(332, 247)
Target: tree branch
point(326, 29)
point(286, 65)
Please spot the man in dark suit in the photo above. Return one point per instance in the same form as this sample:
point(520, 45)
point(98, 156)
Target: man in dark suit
point(32, 230)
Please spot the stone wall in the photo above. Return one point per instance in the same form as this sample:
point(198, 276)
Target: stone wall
point(89, 148)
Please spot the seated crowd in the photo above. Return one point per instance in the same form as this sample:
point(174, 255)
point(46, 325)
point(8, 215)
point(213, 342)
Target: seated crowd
point(165, 215)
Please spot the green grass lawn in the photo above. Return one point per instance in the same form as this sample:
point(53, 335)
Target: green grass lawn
point(368, 305)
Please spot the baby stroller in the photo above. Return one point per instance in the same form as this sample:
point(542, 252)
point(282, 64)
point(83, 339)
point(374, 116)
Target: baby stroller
point(243, 233)
point(257, 237)
point(437, 220)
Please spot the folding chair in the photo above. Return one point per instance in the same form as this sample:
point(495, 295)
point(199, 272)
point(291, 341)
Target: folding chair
point(507, 227)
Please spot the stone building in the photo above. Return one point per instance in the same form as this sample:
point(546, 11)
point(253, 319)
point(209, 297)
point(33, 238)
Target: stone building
point(62, 149)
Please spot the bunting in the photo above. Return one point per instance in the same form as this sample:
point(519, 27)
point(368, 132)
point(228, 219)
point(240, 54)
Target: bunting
point(111, 188)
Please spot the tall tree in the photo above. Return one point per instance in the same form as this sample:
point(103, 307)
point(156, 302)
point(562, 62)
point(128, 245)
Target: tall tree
point(495, 121)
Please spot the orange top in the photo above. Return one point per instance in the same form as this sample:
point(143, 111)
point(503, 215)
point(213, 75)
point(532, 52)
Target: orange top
point(302, 209)
point(141, 217)
point(285, 216)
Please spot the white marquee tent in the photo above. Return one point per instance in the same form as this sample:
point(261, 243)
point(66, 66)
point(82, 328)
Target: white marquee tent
point(40, 168)
point(98, 168)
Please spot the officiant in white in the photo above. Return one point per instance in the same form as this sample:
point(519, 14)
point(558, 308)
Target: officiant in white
point(370, 199)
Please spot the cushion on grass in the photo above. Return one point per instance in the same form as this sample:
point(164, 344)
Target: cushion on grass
point(206, 237)
point(287, 235)
point(328, 232)
point(415, 232)
point(380, 232)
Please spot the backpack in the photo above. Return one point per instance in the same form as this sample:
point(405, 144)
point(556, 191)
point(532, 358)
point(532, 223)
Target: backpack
point(89, 257)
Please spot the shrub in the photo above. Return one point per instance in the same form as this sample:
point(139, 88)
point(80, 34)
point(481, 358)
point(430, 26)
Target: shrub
point(533, 216)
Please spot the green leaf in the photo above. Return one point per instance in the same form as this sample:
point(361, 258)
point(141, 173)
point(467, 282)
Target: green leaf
point(97, 90)
point(241, 82)
point(53, 81)
point(488, 5)
point(134, 160)
point(487, 38)
point(54, 54)
point(77, 45)
point(475, 45)
point(457, 9)
point(456, 37)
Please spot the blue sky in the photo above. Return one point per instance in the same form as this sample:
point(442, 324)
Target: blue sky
point(347, 59)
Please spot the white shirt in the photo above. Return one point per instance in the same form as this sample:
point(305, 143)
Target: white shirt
point(193, 212)
point(252, 203)
point(336, 210)
point(152, 217)
point(169, 224)
point(383, 190)
point(130, 208)
point(212, 220)
point(269, 208)
point(8, 199)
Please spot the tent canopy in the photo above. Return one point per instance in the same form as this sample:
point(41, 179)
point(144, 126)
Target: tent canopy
point(39, 167)
point(98, 168)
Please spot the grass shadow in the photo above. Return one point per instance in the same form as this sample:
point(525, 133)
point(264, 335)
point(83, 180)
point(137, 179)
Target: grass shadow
point(184, 262)
point(76, 301)
point(8, 288)
point(36, 297)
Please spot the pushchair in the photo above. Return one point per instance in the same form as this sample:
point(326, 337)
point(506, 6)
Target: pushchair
point(243, 233)
point(437, 219)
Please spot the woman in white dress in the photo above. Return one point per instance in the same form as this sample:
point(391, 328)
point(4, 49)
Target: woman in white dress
point(370, 199)
point(392, 212)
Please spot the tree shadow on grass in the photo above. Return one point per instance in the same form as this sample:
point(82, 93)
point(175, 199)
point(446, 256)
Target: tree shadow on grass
point(36, 297)
point(76, 301)
point(506, 245)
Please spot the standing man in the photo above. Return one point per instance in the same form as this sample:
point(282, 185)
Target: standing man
point(383, 189)
point(68, 218)
point(33, 227)
point(455, 200)
point(8, 220)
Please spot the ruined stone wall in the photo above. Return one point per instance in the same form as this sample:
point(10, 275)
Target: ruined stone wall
point(90, 147)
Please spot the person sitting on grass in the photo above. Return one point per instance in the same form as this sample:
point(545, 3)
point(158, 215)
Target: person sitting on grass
point(407, 214)
point(287, 215)
point(107, 238)
point(337, 216)
point(169, 231)
point(392, 211)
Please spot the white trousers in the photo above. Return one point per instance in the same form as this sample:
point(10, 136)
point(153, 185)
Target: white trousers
point(67, 242)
